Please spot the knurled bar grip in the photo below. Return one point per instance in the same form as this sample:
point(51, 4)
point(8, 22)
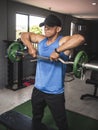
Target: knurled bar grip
point(47, 58)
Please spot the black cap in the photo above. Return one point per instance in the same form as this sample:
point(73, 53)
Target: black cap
point(51, 21)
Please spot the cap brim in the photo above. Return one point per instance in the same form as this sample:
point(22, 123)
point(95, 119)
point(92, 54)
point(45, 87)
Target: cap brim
point(41, 24)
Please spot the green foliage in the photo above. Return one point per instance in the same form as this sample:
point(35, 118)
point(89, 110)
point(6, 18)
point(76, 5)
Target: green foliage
point(36, 29)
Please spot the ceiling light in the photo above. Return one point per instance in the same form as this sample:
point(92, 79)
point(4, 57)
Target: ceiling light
point(94, 3)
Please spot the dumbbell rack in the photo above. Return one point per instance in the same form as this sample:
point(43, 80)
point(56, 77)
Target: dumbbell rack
point(11, 83)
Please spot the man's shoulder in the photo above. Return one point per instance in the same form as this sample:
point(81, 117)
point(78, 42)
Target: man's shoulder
point(40, 37)
point(64, 39)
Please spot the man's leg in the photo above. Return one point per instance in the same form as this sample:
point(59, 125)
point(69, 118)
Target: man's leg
point(38, 105)
point(56, 104)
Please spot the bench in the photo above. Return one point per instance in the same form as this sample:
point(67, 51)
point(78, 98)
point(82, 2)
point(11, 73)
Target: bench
point(13, 120)
point(93, 81)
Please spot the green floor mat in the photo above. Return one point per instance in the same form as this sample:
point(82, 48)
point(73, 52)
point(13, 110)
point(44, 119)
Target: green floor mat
point(79, 122)
point(76, 121)
point(26, 108)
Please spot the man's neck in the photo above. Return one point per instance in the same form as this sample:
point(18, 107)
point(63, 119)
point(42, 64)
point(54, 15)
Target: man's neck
point(51, 39)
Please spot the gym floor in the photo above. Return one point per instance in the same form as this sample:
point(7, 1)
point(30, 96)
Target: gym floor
point(73, 91)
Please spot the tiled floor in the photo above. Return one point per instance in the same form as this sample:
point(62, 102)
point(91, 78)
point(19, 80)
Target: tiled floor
point(10, 99)
point(73, 91)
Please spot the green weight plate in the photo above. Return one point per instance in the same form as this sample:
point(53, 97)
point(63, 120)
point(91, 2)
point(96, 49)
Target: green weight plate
point(80, 58)
point(12, 51)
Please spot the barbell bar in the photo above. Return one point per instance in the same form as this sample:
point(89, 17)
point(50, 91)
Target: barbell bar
point(16, 52)
point(90, 66)
point(75, 70)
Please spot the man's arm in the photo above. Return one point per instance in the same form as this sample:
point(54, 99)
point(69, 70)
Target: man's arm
point(70, 42)
point(28, 38)
point(67, 43)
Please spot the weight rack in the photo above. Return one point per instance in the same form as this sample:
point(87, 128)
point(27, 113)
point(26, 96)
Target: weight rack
point(11, 82)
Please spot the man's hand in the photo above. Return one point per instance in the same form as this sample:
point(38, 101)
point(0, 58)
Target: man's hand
point(32, 52)
point(54, 56)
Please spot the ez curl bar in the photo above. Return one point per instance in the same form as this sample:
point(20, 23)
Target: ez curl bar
point(15, 53)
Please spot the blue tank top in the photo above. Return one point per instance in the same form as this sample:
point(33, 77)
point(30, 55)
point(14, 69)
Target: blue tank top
point(50, 75)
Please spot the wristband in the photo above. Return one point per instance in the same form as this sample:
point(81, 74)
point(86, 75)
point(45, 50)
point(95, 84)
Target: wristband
point(57, 51)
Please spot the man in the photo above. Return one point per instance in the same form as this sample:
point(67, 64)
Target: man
point(50, 74)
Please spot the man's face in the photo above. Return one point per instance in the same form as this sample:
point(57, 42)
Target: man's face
point(50, 31)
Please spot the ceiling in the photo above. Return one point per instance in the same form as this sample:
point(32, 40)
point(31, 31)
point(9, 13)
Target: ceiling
point(78, 8)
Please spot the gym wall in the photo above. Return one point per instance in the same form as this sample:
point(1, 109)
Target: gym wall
point(3, 36)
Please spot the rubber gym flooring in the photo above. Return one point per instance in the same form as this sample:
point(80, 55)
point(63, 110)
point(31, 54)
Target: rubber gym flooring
point(76, 121)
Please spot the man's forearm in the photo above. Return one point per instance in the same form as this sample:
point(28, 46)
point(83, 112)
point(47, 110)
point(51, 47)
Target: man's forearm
point(26, 40)
point(74, 42)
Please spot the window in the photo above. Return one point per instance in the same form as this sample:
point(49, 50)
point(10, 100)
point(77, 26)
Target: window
point(21, 24)
point(72, 28)
point(34, 24)
point(28, 23)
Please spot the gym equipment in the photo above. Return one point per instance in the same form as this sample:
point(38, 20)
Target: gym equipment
point(93, 80)
point(16, 52)
point(80, 59)
point(13, 51)
point(17, 121)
